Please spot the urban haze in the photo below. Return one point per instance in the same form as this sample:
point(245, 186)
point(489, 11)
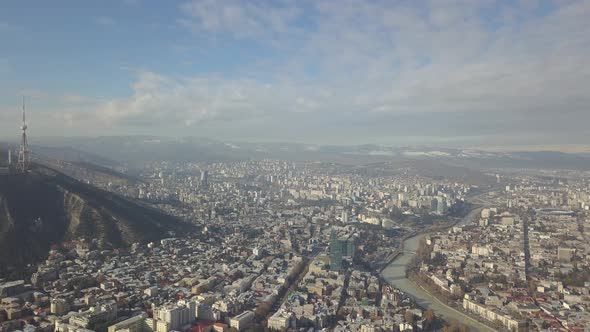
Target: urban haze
point(294, 165)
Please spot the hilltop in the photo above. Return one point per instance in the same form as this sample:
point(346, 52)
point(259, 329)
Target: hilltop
point(46, 207)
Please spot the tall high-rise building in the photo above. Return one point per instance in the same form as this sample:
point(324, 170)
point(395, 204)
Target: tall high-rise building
point(350, 247)
point(204, 178)
point(340, 248)
point(335, 252)
point(441, 207)
point(345, 216)
point(434, 205)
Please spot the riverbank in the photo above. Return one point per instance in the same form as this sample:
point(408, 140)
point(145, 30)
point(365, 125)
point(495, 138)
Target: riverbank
point(400, 248)
point(453, 305)
point(395, 275)
point(398, 251)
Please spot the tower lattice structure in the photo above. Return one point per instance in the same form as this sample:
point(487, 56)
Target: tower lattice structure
point(24, 154)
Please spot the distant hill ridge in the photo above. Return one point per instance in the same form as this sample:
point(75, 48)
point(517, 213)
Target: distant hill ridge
point(46, 207)
point(135, 151)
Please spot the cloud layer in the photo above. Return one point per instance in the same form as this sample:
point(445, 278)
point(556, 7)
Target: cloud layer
point(507, 72)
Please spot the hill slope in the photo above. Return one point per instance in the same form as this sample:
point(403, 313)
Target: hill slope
point(46, 207)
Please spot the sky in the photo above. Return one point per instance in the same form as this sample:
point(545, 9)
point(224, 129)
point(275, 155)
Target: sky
point(473, 73)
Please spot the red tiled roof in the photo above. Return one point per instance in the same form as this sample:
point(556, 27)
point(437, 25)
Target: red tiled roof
point(201, 327)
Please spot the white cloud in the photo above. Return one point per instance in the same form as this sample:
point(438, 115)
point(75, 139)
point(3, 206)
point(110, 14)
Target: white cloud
point(241, 18)
point(371, 61)
point(159, 100)
point(374, 59)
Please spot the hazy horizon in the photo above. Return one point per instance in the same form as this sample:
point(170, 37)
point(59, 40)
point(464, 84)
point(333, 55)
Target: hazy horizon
point(65, 141)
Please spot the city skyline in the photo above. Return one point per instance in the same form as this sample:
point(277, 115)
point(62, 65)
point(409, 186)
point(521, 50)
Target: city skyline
point(477, 74)
point(294, 165)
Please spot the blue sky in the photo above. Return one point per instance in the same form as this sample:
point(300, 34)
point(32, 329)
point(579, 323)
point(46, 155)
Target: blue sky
point(450, 72)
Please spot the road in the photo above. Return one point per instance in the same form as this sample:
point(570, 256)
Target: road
point(395, 273)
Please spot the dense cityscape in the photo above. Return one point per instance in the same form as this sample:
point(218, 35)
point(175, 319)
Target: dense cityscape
point(297, 246)
point(294, 165)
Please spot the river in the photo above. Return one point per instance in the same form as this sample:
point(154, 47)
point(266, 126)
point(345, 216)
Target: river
point(395, 274)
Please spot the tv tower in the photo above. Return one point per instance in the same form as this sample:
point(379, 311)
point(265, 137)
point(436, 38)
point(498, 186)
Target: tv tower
point(24, 154)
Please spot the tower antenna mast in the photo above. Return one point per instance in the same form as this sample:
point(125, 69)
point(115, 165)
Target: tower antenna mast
point(24, 154)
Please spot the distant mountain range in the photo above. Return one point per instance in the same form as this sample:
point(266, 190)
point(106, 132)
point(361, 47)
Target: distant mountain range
point(130, 150)
point(46, 207)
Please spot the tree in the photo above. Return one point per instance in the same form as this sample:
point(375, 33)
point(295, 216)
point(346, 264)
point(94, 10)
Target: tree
point(455, 326)
point(429, 315)
point(409, 316)
point(430, 319)
point(262, 309)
